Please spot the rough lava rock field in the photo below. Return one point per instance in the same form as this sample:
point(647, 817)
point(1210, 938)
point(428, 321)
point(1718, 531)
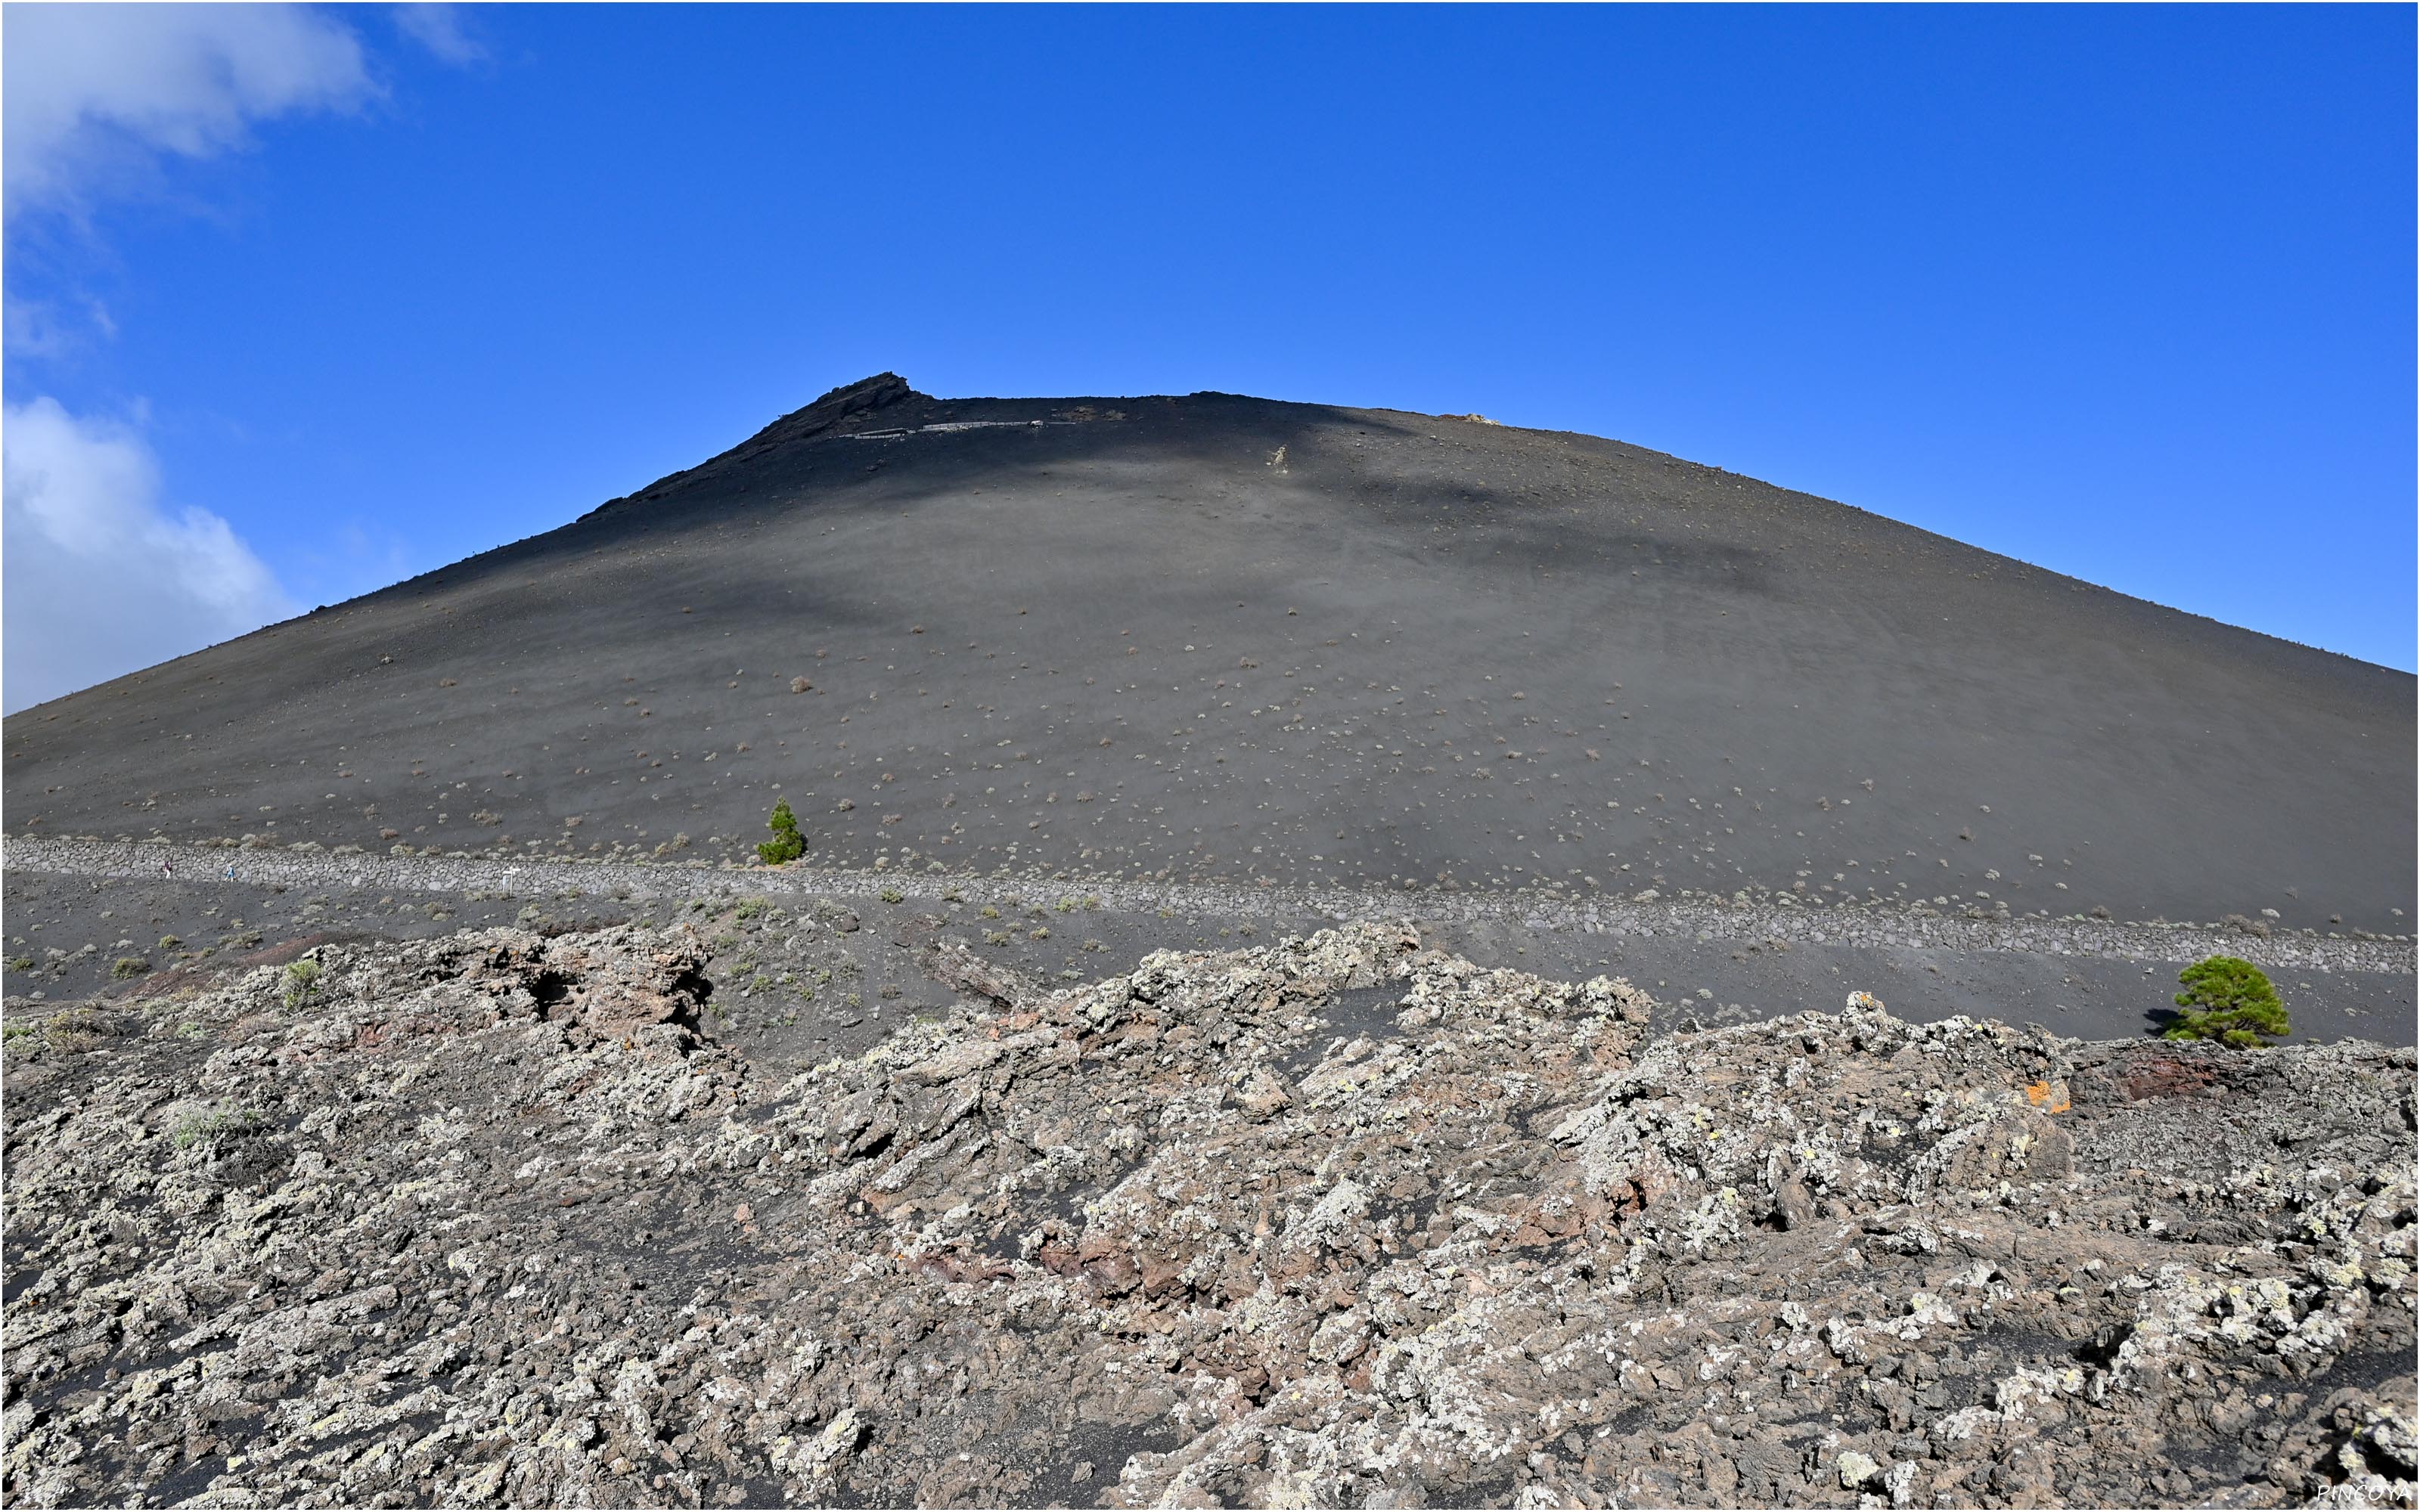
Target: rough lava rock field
point(1342, 961)
point(1339, 1221)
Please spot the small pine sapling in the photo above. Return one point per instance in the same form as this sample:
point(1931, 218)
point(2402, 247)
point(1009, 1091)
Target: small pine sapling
point(787, 844)
point(2231, 1001)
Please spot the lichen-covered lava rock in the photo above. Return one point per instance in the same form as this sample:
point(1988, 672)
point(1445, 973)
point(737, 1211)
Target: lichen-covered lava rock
point(1341, 1222)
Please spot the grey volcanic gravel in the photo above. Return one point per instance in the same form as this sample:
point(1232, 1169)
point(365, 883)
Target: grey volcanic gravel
point(1708, 919)
point(499, 1218)
point(1209, 639)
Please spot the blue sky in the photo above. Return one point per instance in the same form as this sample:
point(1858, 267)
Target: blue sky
point(302, 301)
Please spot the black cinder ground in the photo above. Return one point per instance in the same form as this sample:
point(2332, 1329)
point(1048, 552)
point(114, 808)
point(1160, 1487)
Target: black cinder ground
point(1229, 639)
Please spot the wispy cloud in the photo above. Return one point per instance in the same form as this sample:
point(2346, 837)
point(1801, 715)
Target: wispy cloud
point(96, 93)
point(440, 29)
point(46, 327)
point(100, 579)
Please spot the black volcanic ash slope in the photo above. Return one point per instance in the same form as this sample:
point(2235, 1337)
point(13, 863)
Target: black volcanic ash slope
point(1225, 637)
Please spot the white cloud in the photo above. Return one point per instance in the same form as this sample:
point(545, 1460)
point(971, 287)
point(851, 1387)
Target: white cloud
point(100, 580)
point(92, 92)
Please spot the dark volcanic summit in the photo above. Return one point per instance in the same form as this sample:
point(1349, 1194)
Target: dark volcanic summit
point(1215, 637)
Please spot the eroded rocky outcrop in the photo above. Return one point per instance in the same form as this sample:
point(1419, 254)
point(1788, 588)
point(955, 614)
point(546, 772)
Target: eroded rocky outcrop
point(1344, 1221)
point(849, 404)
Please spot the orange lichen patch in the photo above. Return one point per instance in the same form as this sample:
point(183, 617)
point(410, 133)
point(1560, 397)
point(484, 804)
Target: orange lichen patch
point(2050, 1097)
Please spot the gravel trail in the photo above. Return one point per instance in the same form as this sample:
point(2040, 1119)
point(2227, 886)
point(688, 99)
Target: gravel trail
point(2113, 940)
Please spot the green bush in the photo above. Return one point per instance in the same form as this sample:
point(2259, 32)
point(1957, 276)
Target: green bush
point(127, 966)
point(209, 1125)
point(892, 895)
point(787, 844)
point(301, 980)
point(2230, 1001)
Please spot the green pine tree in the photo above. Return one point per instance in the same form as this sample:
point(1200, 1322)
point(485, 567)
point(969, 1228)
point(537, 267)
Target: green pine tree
point(2230, 1001)
point(787, 844)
